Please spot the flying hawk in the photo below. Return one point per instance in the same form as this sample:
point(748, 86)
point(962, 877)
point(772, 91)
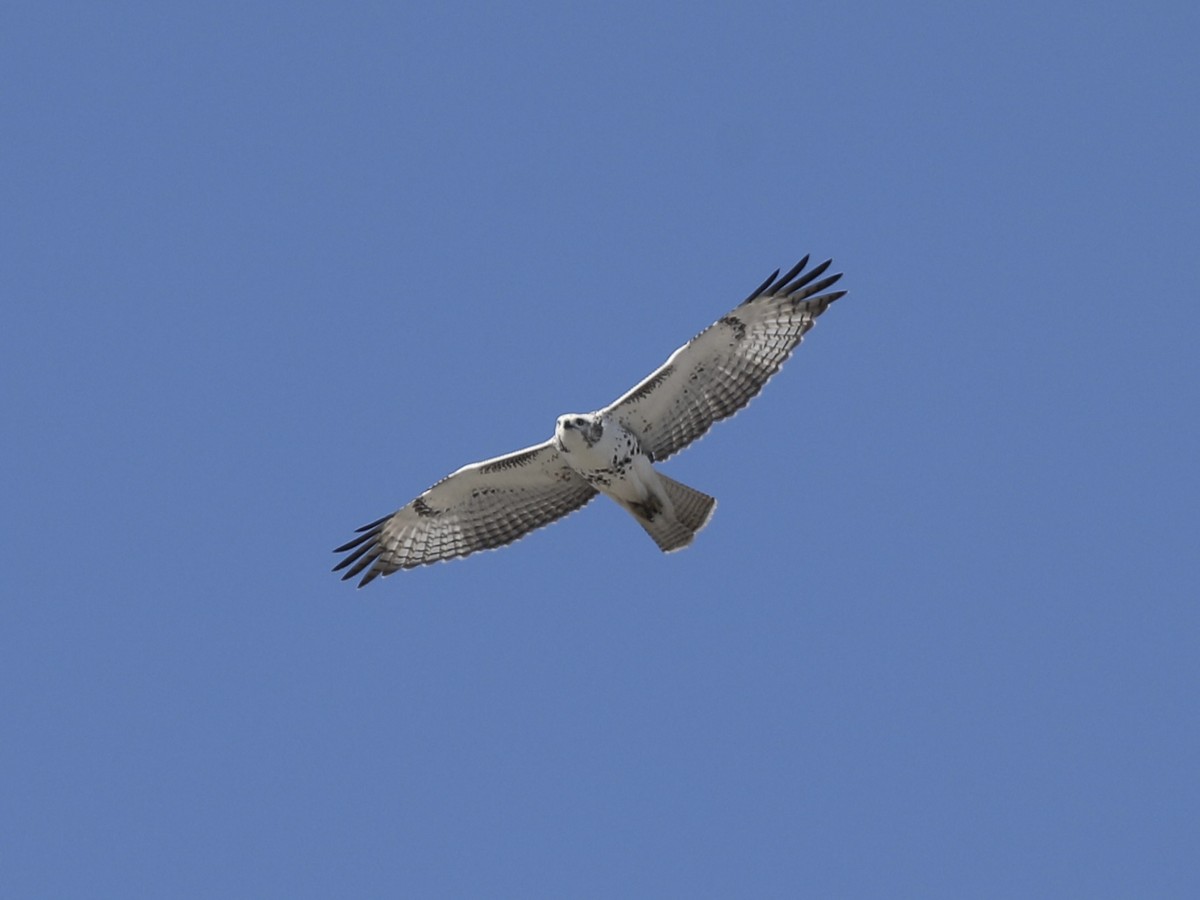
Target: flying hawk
point(610, 451)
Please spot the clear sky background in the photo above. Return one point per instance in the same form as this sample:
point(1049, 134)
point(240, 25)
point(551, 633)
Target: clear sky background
point(270, 270)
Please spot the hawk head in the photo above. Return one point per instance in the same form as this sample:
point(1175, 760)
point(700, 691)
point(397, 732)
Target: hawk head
point(578, 430)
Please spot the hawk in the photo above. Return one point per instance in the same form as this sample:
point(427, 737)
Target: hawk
point(610, 451)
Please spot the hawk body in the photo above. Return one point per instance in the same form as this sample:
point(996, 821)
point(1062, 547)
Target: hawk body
point(612, 450)
point(609, 457)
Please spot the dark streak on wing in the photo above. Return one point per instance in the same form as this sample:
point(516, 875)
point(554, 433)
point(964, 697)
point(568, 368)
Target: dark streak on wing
point(512, 461)
point(738, 326)
point(646, 388)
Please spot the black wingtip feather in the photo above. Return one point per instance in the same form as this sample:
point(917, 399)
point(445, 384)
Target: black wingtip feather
point(794, 281)
point(363, 563)
point(365, 533)
point(788, 289)
point(351, 544)
point(762, 287)
point(811, 289)
point(365, 548)
point(792, 273)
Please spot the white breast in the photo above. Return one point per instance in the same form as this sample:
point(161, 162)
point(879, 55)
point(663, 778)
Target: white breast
point(606, 461)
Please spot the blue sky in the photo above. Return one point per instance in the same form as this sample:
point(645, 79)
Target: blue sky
point(270, 270)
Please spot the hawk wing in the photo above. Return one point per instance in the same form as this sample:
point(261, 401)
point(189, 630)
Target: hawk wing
point(487, 504)
point(722, 368)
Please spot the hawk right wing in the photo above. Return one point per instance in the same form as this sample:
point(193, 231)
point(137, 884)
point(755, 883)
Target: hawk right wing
point(722, 368)
point(484, 505)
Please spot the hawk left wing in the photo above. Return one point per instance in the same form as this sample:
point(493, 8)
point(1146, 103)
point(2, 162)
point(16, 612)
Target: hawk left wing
point(722, 368)
point(484, 505)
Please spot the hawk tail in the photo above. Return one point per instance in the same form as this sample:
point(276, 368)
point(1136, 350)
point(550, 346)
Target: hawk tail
point(692, 509)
